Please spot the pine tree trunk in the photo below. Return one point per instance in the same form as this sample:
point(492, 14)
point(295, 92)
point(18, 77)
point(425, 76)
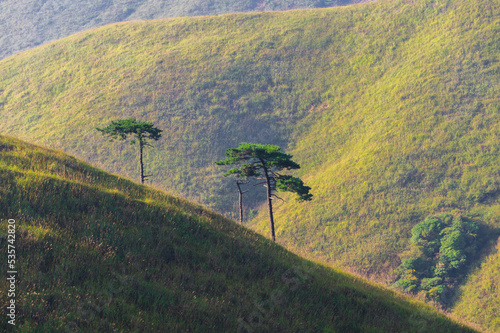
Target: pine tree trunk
point(240, 202)
point(140, 160)
point(269, 202)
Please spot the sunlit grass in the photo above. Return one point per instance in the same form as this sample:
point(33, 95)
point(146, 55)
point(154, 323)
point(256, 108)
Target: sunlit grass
point(391, 108)
point(103, 253)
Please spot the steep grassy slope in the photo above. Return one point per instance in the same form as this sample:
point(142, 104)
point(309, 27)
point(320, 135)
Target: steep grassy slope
point(416, 133)
point(97, 252)
point(209, 83)
point(391, 108)
point(480, 297)
point(25, 24)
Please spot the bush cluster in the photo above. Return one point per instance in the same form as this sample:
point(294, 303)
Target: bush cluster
point(444, 245)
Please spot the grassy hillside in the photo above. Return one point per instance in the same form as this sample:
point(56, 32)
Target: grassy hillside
point(413, 133)
point(391, 108)
point(97, 252)
point(25, 24)
point(482, 292)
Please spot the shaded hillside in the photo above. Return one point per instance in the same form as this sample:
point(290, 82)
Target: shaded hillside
point(100, 253)
point(391, 108)
point(25, 24)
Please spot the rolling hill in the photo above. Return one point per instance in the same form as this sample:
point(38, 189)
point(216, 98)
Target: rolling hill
point(97, 252)
point(26, 24)
point(391, 108)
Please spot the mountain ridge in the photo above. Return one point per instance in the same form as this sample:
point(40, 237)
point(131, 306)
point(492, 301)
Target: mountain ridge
point(28, 24)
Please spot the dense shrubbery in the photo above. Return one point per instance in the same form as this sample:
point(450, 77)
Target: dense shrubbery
point(444, 245)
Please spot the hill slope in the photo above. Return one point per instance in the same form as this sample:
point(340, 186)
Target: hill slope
point(391, 108)
point(482, 292)
point(390, 119)
point(100, 253)
point(25, 24)
point(415, 133)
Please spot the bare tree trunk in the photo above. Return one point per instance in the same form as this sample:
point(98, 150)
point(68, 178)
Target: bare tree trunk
point(269, 202)
point(140, 160)
point(240, 202)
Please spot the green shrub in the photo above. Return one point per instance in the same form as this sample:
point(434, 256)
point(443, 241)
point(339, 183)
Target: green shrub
point(446, 244)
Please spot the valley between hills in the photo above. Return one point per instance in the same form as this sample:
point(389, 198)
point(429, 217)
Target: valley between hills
point(391, 108)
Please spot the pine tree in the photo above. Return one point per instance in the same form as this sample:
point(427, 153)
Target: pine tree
point(142, 132)
point(265, 162)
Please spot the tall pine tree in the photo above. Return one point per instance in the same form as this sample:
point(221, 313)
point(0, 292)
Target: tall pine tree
point(141, 131)
point(265, 162)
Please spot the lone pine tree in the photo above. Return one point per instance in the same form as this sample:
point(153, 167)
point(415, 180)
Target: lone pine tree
point(142, 132)
point(265, 162)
